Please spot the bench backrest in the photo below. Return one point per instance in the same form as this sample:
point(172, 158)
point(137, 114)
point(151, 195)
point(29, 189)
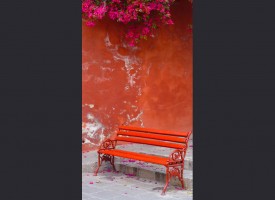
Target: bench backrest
point(170, 139)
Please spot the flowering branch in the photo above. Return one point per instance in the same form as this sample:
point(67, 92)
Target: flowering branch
point(142, 16)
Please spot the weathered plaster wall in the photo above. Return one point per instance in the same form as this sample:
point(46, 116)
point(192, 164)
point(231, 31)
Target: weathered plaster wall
point(149, 85)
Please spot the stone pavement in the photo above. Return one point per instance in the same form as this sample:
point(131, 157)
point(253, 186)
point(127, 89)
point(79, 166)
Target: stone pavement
point(117, 186)
point(143, 169)
point(134, 179)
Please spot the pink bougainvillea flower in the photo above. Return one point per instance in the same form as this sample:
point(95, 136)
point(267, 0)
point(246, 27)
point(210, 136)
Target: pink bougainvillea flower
point(169, 21)
point(145, 30)
point(90, 23)
point(143, 16)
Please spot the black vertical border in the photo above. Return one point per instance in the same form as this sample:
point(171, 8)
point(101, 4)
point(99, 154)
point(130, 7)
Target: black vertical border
point(234, 95)
point(40, 93)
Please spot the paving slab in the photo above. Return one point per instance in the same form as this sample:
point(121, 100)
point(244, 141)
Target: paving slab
point(118, 186)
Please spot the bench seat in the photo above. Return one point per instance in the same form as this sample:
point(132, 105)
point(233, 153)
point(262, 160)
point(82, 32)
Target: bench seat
point(136, 156)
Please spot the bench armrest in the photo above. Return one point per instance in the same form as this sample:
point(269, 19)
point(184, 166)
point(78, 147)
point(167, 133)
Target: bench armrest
point(108, 144)
point(177, 156)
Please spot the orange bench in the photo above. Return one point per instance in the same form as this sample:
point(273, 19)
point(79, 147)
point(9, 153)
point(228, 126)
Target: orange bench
point(175, 140)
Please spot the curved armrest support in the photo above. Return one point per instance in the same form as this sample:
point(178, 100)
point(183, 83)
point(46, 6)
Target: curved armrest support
point(177, 156)
point(108, 144)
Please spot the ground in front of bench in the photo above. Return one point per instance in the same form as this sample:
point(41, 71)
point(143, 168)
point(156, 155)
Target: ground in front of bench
point(117, 186)
point(145, 170)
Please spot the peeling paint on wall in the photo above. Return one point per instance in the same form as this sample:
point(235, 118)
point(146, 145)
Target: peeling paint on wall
point(149, 85)
point(93, 130)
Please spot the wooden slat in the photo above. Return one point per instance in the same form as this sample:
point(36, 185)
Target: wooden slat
point(153, 136)
point(151, 142)
point(163, 132)
point(136, 156)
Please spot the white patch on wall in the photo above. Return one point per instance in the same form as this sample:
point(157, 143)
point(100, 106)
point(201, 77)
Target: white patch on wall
point(107, 41)
point(101, 79)
point(88, 105)
point(148, 70)
point(133, 68)
point(101, 138)
point(85, 53)
point(107, 61)
point(107, 69)
point(139, 92)
point(135, 119)
point(129, 62)
point(86, 141)
point(93, 127)
point(85, 66)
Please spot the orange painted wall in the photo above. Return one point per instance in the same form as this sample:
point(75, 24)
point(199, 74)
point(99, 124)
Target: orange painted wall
point(149, 85)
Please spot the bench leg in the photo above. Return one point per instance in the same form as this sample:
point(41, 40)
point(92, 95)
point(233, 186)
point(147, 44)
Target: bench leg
point(174, 171)
point(112, 161)
point(99, 161)
point(105, 157)
point(181, 177)
point(179, 174)
point(167, 181)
